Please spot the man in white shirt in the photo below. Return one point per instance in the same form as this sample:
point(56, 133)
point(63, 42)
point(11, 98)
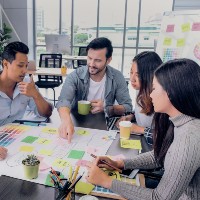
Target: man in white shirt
point(98, 83)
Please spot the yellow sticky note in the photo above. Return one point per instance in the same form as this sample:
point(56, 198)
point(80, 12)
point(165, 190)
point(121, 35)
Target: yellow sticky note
point(128, 180)
point(50, 130)
point(167, 41)
point(84, 188)
point(82, 132)
point(185, 27)
point(131, 144)
point(61, 163)
point(26, 148)
point(46, 152)
point(180, 42)
point(43, 141)
point(113, 174)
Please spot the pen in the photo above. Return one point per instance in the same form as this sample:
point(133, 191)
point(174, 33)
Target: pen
point(103, 161)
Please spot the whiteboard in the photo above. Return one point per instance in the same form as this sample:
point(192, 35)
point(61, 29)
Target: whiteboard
point(180, 35)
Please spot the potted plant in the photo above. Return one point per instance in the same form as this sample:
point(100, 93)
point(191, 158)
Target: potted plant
point(31, 166)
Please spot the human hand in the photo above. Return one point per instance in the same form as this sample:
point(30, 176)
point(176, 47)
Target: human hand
point(137, 129)
point(97, 176)
point(3, 153)
point(124, 118)
point(101, 161)
point(97, 106)
point(28, 89)
point(66, 130)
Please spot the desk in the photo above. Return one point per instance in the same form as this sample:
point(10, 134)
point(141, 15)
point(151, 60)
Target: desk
point(49, 71)
point(22, 190)
point(74, 57)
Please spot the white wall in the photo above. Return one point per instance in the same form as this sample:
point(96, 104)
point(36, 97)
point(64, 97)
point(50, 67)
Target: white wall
point(20, 13)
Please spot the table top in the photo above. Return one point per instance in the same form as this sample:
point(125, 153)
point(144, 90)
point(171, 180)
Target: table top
point(11, 188)
point(49, 71)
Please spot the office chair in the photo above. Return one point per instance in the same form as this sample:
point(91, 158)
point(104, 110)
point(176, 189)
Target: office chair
point(46, 81)
point(82, 52)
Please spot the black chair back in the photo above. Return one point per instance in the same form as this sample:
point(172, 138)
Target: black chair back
point(82, 52)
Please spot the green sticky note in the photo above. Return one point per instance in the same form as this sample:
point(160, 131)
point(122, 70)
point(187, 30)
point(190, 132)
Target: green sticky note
point(84, 188)
point(180, 42)
point(167, 41)
point(185, 27)
point(75, 154)
point(82, 132)
point(29, 139)
point(49, 181)
point(131, 144)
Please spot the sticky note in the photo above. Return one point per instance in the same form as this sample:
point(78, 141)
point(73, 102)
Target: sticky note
point(46, 152)
point(170, 28)
point(84, 188)
point(49, 181)
point(50, 130)
point(132, 144)
point(167, 41)
point(180, 42)
point(29, 139)
point(26, 148)
point(196, 26)
point(113, 174)
point(82, 132)
point(185, 27)
point(61, 163)
point(76, 154)
point(43, 141)
point(82, 163)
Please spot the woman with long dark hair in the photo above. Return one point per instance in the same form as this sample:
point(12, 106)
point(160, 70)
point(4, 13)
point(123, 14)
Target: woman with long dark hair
point(141, 76)
point(176, 100)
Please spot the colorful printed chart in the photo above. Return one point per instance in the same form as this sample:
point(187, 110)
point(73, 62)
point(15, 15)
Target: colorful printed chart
point(53, 151)
point(180, 36)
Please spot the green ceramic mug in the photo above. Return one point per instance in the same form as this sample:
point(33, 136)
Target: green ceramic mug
point(84, 107)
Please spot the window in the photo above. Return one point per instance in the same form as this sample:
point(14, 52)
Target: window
point(130, 24)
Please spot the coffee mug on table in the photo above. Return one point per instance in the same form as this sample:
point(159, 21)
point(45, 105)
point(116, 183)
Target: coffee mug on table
point(125, 129)
point(84, 107)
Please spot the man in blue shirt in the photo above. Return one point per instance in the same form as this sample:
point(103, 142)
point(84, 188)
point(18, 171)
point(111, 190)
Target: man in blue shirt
point(98, 83)
point(17, 91)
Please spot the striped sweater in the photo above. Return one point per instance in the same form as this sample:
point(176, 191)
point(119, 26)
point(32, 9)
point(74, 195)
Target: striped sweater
point(181, 179)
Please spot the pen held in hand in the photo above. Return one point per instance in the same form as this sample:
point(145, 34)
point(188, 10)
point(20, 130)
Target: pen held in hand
point(103, 161)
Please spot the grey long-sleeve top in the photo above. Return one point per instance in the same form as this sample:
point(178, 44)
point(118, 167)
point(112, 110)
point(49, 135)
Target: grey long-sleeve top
point(76, 87)
point(181, 179)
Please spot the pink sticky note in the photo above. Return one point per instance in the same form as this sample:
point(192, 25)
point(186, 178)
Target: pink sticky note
point(170, 28)
point(43, 166)
point(82, 163)
point(93, 150)
point(196, 26)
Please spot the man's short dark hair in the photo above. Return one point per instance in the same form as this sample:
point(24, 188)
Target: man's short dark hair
point(101, 43)
point(12, 48)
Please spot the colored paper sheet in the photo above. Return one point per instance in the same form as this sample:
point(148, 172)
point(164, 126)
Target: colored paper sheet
point(185, 27)
point(131, 144)
point(83, 132)
point(93, 150)
point(61, 163)
point(45, 152)
point(167, 41)
point(26, 148)
point(75, 154)
point(196, 26)
point(43, 166)
point(43, 141)
point(50, 130)
point(82, 163)
point(84, 188)
point(49, 181)
point(170, 28)
point(113, 174)
point(29, 139)
point(180, 42)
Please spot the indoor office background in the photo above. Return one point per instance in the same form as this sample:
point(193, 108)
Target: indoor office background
point(132, 25)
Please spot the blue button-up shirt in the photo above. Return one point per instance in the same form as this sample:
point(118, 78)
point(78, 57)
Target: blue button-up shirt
point(12, 109)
